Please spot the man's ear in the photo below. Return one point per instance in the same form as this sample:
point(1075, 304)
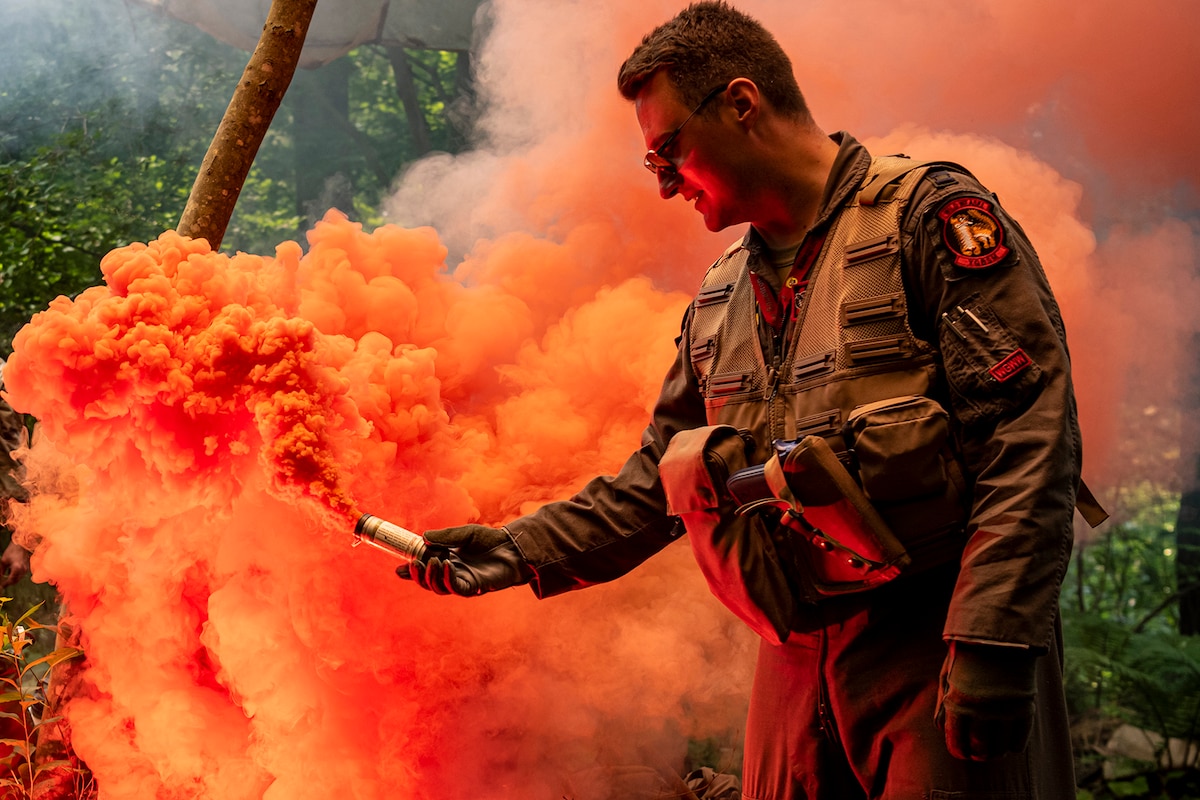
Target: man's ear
point(746, 100)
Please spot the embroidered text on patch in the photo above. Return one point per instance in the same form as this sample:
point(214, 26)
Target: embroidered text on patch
point(1010, 366)
point(972, 232)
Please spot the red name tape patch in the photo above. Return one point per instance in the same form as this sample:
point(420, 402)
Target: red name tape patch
point(972, 232)
point(1013, 364)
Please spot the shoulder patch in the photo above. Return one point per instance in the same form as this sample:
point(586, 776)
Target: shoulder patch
point(972, 232)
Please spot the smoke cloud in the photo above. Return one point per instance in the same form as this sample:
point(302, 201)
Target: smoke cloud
point(212, 425)
point(235, 414)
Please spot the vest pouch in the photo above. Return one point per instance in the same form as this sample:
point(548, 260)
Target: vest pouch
point(908, 470)
point(842, 544)
point(899, 444)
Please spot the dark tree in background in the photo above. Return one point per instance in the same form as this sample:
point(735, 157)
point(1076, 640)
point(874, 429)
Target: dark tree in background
point(356, 121)
point(1187, 525)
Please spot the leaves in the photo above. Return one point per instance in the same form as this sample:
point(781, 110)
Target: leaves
point(26, 772)
point(1124, 656)
point(1128, 574)
point(1150, 679)
point(55, 658)
point(63, 213)
point(21, 620)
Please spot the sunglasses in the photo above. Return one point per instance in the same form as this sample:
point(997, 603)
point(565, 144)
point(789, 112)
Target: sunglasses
point(655, 160)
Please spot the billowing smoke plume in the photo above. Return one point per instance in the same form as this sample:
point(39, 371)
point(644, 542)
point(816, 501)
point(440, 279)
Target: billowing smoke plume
point(234, 416)
point(212, 425)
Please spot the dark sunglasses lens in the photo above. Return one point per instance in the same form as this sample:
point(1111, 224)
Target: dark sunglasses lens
point(654, 162)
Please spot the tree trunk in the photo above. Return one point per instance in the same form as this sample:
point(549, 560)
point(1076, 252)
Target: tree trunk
point(406, 88)
point(246, 120)
point(464, 112)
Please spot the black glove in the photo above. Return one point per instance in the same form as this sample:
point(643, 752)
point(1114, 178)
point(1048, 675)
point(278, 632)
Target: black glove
point(468, 560)
point(986, 705)
point(727, 454)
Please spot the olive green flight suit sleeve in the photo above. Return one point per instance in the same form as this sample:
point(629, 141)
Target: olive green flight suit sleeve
point(978, 291)
point(615, 522)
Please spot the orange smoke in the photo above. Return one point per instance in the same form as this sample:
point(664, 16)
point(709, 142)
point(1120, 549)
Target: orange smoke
point(210, 425)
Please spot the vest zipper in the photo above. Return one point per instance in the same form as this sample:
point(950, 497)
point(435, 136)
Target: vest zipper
point(806, 258)
point(774, 426)
point(773, 376)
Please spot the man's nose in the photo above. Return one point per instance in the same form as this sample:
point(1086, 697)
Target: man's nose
point(668, 183)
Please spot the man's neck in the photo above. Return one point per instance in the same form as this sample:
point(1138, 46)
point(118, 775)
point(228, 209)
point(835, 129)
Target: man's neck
point(792, 198)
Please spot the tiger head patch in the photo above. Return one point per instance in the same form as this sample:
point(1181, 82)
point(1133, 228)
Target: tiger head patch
point(972, 233)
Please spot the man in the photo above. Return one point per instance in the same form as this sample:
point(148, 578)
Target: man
point(889, 317)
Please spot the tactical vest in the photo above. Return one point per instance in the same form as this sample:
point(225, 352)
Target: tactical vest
point(851, 366)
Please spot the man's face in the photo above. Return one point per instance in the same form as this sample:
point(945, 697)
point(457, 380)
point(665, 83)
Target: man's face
point(700, 152)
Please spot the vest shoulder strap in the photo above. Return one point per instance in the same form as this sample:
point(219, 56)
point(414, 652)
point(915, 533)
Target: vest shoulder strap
point(884, 171)
point(726, 268)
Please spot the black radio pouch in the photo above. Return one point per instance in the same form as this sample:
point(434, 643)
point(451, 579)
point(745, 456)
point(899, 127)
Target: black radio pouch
point(907, 468)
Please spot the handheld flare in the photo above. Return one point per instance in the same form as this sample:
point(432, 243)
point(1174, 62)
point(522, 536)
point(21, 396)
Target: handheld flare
point(390, 537)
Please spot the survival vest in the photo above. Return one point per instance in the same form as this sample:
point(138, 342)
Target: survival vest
point(851, 370)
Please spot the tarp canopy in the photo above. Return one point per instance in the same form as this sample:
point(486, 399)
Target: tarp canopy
point(338, 26)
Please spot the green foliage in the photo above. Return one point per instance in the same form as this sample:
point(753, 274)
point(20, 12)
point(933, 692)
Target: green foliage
point(1151, 680)
point(97, 146)
point(445, 99)
point(1166, 785)
point(64, 206)
point(107, 109)
point(723, 754)
point(20, 673)
point(1128, 574)
point(1125, 660)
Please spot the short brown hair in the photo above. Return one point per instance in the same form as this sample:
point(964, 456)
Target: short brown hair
point(710, 43)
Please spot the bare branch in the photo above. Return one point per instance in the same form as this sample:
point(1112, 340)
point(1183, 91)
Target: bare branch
point(246, 120)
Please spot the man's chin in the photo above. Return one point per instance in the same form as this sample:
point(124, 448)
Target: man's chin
point(711, 218)
point(714, 223)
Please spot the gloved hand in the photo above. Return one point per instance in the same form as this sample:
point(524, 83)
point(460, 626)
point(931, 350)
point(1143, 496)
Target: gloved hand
point(725, 455)
point(986, 703)
point(468, 560)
